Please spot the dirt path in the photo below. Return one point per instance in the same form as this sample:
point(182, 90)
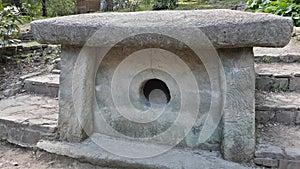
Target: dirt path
point(14, 157)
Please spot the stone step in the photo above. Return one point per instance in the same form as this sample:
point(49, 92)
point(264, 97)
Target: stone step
point(278, 76)
point(47, 85)
point(176, 158)
point(30, 121)
point(269, 77)
point(26, 119)
point(278, 146)
point(278, 107)
point(287, 54)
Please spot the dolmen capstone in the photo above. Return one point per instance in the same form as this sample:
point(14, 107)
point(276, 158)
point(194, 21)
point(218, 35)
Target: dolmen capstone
point(182, 79)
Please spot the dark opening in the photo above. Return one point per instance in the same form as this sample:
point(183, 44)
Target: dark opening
point(153, 84)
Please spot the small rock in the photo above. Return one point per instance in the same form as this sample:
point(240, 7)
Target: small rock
point(55, 71)
point(51, 162)
point(292, 153)
point(10, 92)
point(30, 75)
point(56, 60)
point(7, 92)
point(2, 71)
point(289, 164)
point(14, 164)
point(269, 152)
point(17, 86)
point(267, 162)
point(297, 30)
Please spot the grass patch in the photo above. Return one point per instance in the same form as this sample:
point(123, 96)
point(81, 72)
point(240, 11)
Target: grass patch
point(29, 44)
point(193, 5)
point(200, 4)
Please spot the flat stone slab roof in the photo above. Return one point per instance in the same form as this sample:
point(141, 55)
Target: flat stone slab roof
point(224, 28)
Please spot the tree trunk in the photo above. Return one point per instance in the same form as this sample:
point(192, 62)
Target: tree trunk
point(44, 7)
point(110, 5)
point(17, 3)
point(103, 5)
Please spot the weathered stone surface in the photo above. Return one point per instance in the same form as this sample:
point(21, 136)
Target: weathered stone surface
point(292, 153)
point(267, 162)
point(30, 75)
point(55, 71)
point(286, 69)
point(294, 83)
point(279, 135)
point(296, 30)
point(289, 164)
point(239, 115)
point(11, 92)
point(297, 117)
point(264, 116)
point(68, 123)
point(288, 54)
point(88, 70)
point(26, 119)
point(71, 130)
point(289, 101)
point(225, 28)
point(277, 76)
point(285, 117)
point(273, 152)
point(268, 83)
point(45, 84)
point(173, 159)
point(56, 63)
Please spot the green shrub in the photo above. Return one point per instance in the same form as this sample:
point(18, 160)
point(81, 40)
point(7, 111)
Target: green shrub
point(164, 4)
point(32, 8)
point(54, 7)
point(61, 8)
point(289, 8)
point(9, 19)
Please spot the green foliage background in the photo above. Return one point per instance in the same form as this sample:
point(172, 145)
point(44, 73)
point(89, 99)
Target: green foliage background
point(289, 8)
point(54, 7)
point(10, 19)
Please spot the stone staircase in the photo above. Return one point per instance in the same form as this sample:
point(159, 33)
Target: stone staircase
point(278, 105)
point(28, 118)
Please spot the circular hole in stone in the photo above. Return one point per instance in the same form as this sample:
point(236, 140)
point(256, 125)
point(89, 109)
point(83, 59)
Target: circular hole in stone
point(156, 92)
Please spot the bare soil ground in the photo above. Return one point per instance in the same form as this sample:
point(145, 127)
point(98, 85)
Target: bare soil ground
point(279, 135)
point(13, 67)
point(14, 157)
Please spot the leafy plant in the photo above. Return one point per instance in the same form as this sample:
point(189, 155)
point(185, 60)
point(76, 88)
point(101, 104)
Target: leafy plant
point(266, 59)
point(32, 7)
point(61, 8)
point(9, 19)
point(289, 8)
point(164, 4)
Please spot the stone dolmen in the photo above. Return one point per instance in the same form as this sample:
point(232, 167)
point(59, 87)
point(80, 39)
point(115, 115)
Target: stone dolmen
point(159, 80)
